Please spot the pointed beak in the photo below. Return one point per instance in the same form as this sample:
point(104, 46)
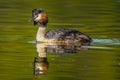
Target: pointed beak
point(31, 19)
point(34, 20)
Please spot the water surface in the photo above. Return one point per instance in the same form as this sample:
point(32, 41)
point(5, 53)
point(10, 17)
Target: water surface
point(97, 18)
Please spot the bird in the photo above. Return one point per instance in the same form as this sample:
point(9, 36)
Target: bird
point(59, 35)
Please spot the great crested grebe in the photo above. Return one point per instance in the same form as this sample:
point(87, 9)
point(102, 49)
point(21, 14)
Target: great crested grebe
point(63, 35)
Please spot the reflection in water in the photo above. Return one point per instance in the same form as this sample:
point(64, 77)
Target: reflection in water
point(107, 41)
point(41, 64)
point(103, 41)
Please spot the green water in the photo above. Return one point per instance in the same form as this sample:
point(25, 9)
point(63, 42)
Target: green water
point(98, 18)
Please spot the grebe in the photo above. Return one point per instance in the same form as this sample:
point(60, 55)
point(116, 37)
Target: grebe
point(63, 35)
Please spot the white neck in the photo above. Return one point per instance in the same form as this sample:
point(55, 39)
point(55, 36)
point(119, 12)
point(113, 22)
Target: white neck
point(41, 50)
point(41, 33)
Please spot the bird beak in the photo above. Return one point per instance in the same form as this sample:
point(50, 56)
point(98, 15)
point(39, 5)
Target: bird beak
point(31, 19)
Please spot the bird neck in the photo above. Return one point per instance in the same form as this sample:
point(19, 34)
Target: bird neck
point(41, 33)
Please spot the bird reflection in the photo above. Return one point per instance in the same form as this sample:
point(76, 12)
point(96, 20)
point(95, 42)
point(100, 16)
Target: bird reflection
point(41, 63)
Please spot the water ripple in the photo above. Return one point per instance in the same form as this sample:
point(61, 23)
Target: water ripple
point(107, 41)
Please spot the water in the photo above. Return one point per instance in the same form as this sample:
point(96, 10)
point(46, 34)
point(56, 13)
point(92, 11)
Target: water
point(98, 18)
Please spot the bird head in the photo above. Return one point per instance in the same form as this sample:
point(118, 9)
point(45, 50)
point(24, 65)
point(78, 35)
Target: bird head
point(39, 16)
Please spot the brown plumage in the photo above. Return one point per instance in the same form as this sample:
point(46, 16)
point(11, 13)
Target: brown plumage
point(68, 34)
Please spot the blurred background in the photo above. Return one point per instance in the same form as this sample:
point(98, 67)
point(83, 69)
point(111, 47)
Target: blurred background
point(98, 18)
